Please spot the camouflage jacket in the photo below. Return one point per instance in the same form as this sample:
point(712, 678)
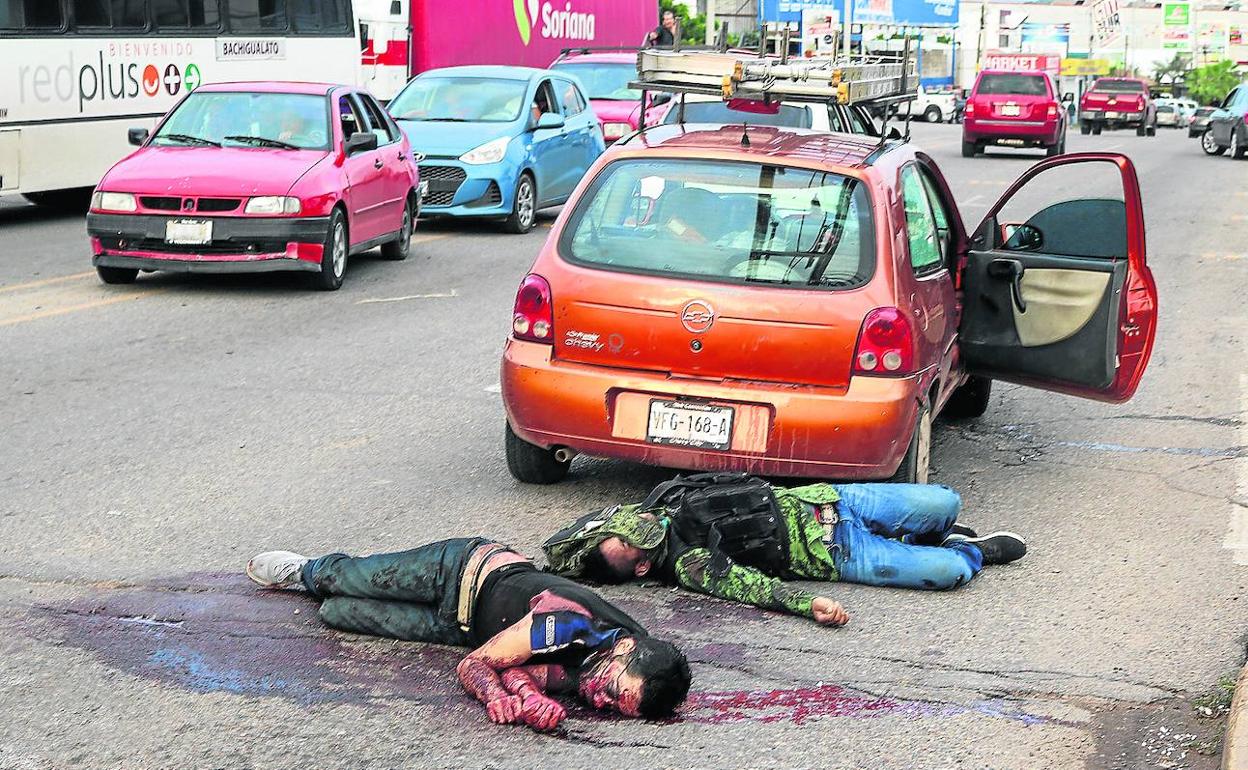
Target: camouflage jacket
point(689, 564)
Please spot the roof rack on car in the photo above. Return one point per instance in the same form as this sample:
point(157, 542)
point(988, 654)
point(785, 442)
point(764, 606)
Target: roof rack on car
point(739, 74)
point(581, 50)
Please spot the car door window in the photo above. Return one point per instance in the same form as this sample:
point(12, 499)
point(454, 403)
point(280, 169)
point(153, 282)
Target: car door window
point(377, 122)
point(940, 213)
point(543, 101)
point(350, 117)
point(1230, 98)
point(570, 96)
point(921, 228)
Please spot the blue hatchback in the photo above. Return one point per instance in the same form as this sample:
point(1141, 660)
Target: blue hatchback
point(498, 141)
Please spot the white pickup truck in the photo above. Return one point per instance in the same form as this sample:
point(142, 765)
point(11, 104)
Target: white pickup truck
point(932, 106)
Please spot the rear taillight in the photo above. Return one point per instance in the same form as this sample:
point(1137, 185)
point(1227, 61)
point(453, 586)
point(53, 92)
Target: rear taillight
point(534, 317)
point(885, 344)
point(1052, 111)
point(969, 109)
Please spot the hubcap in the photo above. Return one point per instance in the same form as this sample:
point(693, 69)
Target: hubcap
point(923, 455)
point(525, 204)
point(405, 238)
point(1206, 142)
point(340, 249)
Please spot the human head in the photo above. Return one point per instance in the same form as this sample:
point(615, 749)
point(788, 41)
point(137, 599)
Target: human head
point(669, 19)
point(616, 561)
point(636, 677)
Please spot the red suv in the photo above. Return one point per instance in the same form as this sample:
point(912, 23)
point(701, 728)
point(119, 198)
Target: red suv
point(1118, 102)
point(1013, 109)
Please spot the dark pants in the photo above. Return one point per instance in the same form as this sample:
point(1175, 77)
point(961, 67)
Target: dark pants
point(411, 595)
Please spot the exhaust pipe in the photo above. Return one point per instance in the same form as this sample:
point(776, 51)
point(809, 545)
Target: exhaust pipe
point(563, 454)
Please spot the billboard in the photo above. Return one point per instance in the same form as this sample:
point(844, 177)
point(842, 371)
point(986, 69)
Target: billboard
point(1056, 36)
point(1106, 22)
point(1080, 67)
point(1176, 23)
point(916, 13)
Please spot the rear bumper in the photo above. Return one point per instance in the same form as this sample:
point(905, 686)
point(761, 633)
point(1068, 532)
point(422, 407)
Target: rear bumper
point(859, 432)
point(1112, 117)
point(239, 244)
point(1032, 132)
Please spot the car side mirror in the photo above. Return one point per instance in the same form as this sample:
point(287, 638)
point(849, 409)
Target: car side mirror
point(1021, 237)
point(550, 120)
point(1068, 97)
point(662, 97)
point(361, 141)
point(138, 136)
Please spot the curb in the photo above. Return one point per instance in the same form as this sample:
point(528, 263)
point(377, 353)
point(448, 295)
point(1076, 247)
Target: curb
point(1235, 745)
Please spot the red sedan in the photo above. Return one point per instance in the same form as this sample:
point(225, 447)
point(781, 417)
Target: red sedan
point(258, 177)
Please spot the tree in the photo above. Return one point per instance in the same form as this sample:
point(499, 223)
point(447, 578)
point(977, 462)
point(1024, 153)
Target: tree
point(692, 28)
point(1170, 71)
point(1211, 83)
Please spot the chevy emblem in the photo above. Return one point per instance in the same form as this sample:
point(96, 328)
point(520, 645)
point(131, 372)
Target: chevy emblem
point(697, 316)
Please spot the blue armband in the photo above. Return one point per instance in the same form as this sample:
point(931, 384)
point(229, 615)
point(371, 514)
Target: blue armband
point(554, 631)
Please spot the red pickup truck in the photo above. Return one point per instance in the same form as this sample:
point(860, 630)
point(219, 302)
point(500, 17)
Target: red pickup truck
point(1115, 103)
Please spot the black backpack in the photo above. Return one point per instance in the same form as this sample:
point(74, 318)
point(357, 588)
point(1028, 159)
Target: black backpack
point(734, 515)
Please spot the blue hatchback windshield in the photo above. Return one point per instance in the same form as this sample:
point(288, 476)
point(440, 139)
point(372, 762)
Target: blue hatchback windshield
point(263, 120)
point(725, 221)
point(460, 100)
point(604, 81)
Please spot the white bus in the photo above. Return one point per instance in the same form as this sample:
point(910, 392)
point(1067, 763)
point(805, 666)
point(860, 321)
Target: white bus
point(75, 74)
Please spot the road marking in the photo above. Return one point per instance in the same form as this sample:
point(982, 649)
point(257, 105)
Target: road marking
point(495, 388)
point(46, 281)
point(440, 295)
point(52, 312)
point(419, 239)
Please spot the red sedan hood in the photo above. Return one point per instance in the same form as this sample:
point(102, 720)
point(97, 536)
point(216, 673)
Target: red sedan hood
point(616, 111)
point(210, 171)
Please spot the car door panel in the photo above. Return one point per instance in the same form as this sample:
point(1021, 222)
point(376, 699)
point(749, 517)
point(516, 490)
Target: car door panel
point(1074, 312)
point(367, 187)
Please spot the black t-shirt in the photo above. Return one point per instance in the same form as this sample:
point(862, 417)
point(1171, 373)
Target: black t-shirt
point(664, 36)
point(569, 637)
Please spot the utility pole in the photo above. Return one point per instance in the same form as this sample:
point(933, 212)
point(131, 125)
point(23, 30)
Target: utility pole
point(710, 22)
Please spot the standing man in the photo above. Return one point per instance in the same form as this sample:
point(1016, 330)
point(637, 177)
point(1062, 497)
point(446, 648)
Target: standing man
point(534, 634)
point(739, 538)
point(664, 35)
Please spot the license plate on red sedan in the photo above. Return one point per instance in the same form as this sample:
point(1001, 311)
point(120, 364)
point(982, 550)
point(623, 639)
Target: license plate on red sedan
point(685, 423)
point(188, 232)
point(1011, 110)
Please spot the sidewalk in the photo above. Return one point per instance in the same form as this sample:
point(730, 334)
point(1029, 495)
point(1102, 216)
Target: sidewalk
point(1235, 747)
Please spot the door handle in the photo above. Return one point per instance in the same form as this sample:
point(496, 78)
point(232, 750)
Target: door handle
point(377, 163)
point(402, 156)
point(1010, 270)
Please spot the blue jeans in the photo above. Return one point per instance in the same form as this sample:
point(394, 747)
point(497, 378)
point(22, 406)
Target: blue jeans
point(874, 518)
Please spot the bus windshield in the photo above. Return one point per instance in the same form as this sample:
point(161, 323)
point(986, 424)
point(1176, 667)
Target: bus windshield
point(460, 100)
point(604, 81)
point(263, 120)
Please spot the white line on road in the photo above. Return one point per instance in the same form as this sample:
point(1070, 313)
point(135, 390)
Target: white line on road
point(440, 295)
point(495, 388)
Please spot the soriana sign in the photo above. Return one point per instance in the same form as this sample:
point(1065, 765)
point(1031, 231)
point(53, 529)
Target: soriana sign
point(996, 60)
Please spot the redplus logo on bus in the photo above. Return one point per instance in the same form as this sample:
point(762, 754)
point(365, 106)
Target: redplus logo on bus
point(559, 24)
point(115, 73)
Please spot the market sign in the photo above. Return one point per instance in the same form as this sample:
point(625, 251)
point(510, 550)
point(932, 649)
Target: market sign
point(1015, 62)
point(1080, 67)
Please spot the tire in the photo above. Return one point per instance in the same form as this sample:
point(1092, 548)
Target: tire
point(1141, 130)
point(1096, 129)
point(970, 400)
point(75, 200)
point(532, 464)
point(1085, 128)
point(916, 464)
point(969, 149)
point(334, 260)
point(1238, 148)
point(398, 250)
point(524, 208)
point(1152, 130)
point(117, 275)
point(1209, 145)
point(933, 114)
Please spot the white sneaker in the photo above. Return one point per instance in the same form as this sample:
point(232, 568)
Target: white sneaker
point(276, 569)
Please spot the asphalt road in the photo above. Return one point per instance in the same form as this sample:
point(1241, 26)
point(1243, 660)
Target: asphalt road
point(154, 437)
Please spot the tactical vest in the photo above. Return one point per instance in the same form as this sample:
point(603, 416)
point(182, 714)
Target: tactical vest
point(733, 515)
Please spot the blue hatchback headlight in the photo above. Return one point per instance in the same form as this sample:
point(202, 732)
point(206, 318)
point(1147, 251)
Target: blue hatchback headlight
point(490, 152)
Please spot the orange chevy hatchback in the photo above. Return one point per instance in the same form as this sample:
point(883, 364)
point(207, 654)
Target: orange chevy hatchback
point(796, 303)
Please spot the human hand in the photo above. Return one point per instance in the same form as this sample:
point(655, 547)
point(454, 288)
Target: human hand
point(505, 709)
point(542, 713)
point(828, 612)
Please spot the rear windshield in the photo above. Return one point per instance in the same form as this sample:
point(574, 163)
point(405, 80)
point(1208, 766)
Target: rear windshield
point(1020, 85)
point(1166, 108)
point(1119, 86)
point(790, 115)
point(1204, 111)
point(604, 81)
point(726, 222)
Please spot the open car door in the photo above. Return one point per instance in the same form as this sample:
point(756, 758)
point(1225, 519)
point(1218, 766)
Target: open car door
point(1057, 293)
